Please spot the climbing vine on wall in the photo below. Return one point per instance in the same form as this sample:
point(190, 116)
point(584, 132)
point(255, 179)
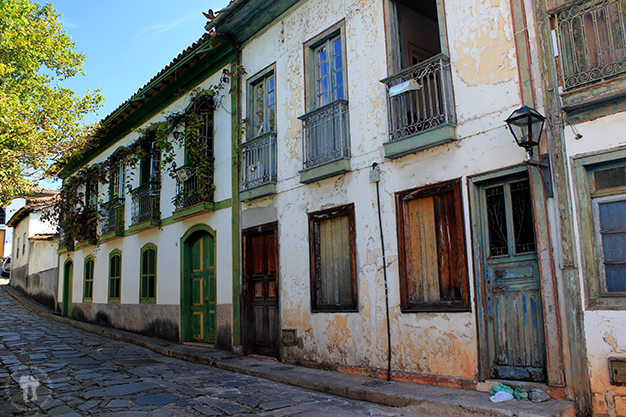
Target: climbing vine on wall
point(77, 219)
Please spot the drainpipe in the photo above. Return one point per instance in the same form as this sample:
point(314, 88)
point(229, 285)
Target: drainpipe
point(375, 177)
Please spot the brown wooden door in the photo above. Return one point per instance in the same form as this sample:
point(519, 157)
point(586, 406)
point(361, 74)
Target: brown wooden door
point(261, 287)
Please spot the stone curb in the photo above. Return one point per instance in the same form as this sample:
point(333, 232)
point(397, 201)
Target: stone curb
point(426, 399)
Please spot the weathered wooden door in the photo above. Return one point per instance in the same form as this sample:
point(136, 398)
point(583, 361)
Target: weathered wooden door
point(68, 277)
point(202, 288)
point(263, 334)
point(512, 288)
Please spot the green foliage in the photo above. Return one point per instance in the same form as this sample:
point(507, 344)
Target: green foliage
point(41, 122)
point(179, 130)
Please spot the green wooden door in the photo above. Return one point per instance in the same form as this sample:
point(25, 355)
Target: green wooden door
point(202, 288)
point(68, 275)
point(512, 288)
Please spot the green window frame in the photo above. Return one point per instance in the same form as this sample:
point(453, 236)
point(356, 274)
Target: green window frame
point(88, 280)
point(115, 276)
point(203, 106)
point(601, 186)
point(147, 282)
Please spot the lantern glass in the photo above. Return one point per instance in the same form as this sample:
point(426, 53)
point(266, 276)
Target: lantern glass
point(526, 125)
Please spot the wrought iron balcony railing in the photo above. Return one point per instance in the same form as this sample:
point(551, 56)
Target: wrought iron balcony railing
point(592, 41)
point(146, 202)
point(427, 105)
point(326, 134)
point(88, 220)
point(113, 216)
point(258, 158)
point(193, 188)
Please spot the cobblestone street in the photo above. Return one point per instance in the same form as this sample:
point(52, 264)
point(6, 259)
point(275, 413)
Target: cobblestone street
point(49, 368)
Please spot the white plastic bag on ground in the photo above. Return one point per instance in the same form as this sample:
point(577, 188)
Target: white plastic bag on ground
point(501, 396)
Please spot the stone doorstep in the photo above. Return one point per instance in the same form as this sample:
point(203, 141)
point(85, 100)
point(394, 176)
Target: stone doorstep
point(425, 399)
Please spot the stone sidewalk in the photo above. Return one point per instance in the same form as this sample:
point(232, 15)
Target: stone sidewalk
point(422, 399)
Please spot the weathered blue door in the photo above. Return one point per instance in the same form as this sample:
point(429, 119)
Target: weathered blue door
point(512, 288)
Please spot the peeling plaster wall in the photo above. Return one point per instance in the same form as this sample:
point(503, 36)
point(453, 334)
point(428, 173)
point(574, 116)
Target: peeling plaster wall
point(605, 330)
point(486, 91)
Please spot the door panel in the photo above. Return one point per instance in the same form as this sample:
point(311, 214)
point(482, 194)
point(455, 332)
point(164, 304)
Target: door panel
point(202, 288)
point(513, 293)
point(261, 293)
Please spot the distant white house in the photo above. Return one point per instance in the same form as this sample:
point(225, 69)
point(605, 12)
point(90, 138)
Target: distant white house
point(34, 259)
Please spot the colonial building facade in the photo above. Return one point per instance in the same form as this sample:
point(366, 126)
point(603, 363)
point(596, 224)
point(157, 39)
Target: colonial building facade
point(371, 211)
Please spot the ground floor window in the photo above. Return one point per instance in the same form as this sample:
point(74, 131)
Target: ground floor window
point(601, 182)
point(431, 242)
point(88, 279)
point(115, 276)
point(147, 291)
point(333, 271)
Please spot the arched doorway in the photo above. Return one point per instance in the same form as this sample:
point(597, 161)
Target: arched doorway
point(198, 286)
point(68, 278)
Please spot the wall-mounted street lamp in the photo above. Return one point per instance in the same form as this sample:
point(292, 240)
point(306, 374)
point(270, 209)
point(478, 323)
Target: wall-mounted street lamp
point(526, 125)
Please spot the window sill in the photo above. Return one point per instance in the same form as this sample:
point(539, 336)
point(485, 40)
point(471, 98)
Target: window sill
point(608, 303)
point(595, 100)
point(110, 236)
point(85, 243)
point(143, 225)
point(258, 192)
point(193, 210)
point(150, 301)
point(65, 249)
point(326, 170)
point(114, 302)
point(420, 141)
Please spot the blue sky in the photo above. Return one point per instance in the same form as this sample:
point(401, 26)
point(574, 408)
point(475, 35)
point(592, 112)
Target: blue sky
point(127, 42)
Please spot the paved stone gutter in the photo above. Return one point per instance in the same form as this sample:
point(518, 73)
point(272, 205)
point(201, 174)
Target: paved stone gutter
point(423, 399)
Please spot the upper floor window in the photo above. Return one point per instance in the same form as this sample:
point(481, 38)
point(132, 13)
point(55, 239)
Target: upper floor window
point(329, 73)
point(263, 104)
point(420, 81)
point(592, 41)
point(414, 33)
point(2, 216)
point(150, 164)
point(601, 181)
point(116, 182)
point(326, 142)
point(203, 107)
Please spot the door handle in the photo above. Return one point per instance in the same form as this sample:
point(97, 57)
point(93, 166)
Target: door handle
point(205, 300)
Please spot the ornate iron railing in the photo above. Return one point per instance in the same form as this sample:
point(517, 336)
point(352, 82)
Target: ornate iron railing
point(592, 41)
point(258, 157)
point(192, 188)
point(146, 202)
point(88, 220)
point(326, 134)
point(113, 216)
point(429, 106)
